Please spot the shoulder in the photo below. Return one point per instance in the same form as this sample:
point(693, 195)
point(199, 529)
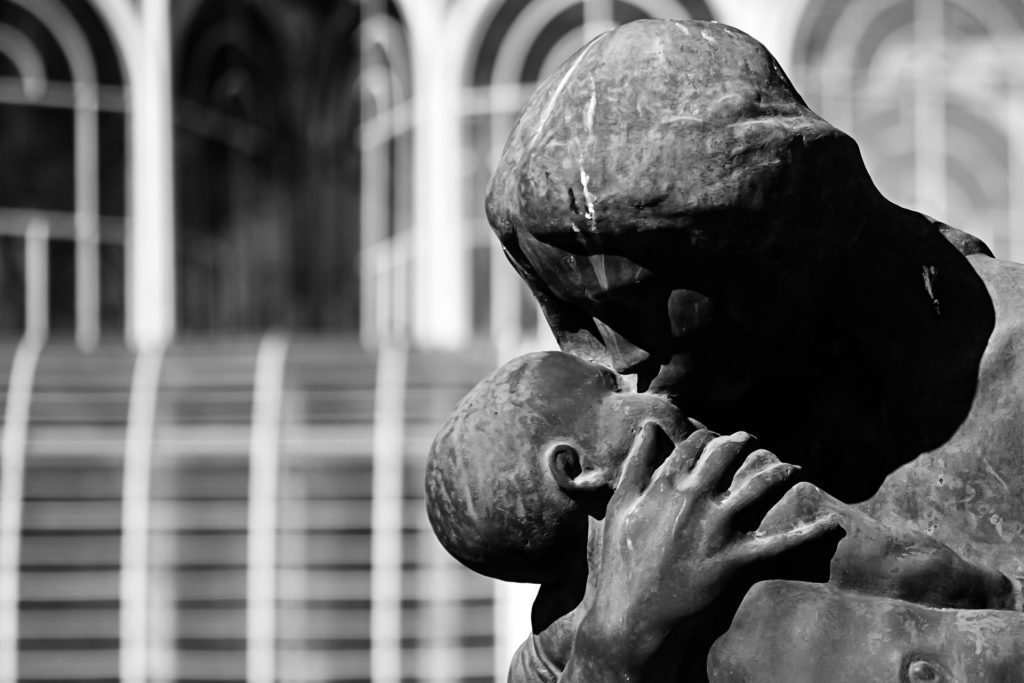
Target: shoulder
point(788, 631)
point(1004, 281)
point(966, 243)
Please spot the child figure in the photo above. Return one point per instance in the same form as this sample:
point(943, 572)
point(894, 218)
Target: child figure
point(549, 444)
point(526, 455)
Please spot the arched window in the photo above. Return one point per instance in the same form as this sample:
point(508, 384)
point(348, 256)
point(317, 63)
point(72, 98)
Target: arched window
point(515, 46)
point(386, 137)
point(932, 92)
point(266, 114)
point(62, 172)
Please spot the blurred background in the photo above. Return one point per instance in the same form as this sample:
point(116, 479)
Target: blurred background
point(245, 274)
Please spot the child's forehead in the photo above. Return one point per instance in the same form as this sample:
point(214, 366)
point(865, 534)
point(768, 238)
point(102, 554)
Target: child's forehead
point(558, 373)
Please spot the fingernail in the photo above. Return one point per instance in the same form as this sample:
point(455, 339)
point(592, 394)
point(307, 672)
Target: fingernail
point(740, 436)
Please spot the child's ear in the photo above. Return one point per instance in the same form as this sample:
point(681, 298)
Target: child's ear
point(591, 489)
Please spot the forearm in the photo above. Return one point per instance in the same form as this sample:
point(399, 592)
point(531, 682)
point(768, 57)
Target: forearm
point(897, 562)
point(592, 648)
point(553, 656)
point(601, 652)
point(862, 637)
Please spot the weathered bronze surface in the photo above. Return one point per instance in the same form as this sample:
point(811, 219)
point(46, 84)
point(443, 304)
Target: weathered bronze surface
point(704, 245)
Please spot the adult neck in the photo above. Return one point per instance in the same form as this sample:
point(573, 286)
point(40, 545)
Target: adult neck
point(911, 305)
point(893, 371)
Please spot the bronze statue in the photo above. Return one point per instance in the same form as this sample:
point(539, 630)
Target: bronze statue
point(684, 219)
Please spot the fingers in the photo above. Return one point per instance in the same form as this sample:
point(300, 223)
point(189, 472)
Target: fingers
point(721, 455)
point(640, 462)
point(767, 546)
point(760, 474)
point(684, 456)
point(696, 424)
point(754, 464)
point(802, 502)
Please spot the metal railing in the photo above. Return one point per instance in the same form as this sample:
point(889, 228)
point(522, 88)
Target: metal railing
point(37, 230)
point(240, 510)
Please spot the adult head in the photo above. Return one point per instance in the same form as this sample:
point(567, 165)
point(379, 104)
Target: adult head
point(526, 455)
point(668, 180)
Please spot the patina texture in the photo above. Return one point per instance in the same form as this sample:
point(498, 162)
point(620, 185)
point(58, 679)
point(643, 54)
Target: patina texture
point(711, 249)
point(658, 142)
point(489, 512)
point(818, 633)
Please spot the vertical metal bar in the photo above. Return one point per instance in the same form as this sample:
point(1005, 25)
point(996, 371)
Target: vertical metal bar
point(372, 202)
point(135, 515)
point(386, 516)
point(264, 470)
point(382, 270)
point(37, 278)
point(442, 316)
point(163, 663)
point(151, 280)
point(367, 296)
point(401, 266)
point(400, 172)
point(13, 449)
point(374, 216)
point(87, 215)
point(295, 664)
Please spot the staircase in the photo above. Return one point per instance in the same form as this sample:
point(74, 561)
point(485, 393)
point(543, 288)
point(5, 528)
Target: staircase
point(210, 600)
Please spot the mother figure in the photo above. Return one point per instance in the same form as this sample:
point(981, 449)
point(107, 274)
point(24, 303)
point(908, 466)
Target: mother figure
point(685, 219)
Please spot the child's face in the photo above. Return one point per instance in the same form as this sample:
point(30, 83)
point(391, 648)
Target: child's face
point(499, 485)
point(595, 409)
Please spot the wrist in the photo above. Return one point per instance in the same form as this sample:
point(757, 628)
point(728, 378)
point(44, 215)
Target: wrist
point(619, 645)
point(599, 659)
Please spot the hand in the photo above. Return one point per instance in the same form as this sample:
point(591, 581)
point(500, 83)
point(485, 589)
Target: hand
point(671, 543)
point(895, 561)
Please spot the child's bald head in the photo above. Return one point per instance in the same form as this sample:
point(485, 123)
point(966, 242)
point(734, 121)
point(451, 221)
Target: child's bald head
point(508, 470)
